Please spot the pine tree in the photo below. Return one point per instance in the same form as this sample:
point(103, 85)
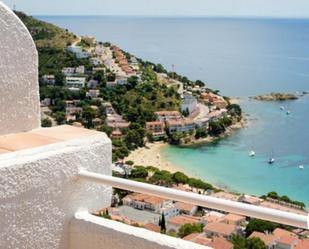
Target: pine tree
point(162, 223)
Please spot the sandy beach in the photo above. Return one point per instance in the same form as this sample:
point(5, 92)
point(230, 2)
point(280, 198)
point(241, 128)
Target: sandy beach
point(150, 156)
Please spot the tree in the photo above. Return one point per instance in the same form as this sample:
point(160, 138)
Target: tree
point(180, 177)
point(139, 172)
point(260, 226)
point(175, 138)
point(216, 128)
point(163, 178)
point(60, 117)
point(59, 79)
point(185, 112)
point(255, 243)
point(99, 76)
point(131, 163)
point(162, 223)
point(111, 77)
point(104, 128)
point(234, 110)
point(132, 82)
point(197, 183)
point(200, 83)
point(200, 132)
point(187, 229)
point(241, 242)
point(88, 115)
point(46, 122)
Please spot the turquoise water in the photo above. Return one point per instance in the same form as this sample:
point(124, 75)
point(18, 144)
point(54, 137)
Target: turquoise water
point(241, 57)
point(226, 163)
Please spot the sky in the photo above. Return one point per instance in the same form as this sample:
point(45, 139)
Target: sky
point(211, 8)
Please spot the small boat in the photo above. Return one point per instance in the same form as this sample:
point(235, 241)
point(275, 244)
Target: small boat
point(271, 160)
point(288, 113)
point(252, 153)
point(301, 167)
point(282, 108)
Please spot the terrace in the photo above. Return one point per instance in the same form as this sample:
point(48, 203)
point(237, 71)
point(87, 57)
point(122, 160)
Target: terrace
point(53, 179)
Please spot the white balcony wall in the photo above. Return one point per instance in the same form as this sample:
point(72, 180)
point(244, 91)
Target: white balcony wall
point(40, 191)
point(19, 90)
point(88, 231)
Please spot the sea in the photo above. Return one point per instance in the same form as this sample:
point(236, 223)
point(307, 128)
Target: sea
point(241, 58)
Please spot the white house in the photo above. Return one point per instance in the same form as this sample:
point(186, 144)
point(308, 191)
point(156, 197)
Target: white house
point(49, 79)
point(189, 104)
point(80, 69)
point(68, 71)
point(78, 51)
point(93, 84)
point(95, 61)
point(93, 93)
point(169, 211)
point(75, 83)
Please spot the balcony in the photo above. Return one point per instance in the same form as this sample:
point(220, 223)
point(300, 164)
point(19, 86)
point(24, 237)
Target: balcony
point(52, 179)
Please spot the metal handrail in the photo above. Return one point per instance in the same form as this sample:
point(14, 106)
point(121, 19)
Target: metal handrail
point(278, 216)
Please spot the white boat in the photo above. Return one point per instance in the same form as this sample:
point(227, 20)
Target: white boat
point(271, 160)
point(282, 108)
point(252, 153)
point(288, 113)
point(301, 166)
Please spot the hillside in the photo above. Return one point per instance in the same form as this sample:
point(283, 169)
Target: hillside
point(51, 41)
point(117, 93)
point(45, 34)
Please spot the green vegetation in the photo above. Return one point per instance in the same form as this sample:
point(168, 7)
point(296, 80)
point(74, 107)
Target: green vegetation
point(240, 242)
point(136, 102)
point(217, 127)
point(155, 176)
point(260, 226)
point(276, 97)
point(162, 223)
point(187, 229)
point(46, 122)
point(180, 177)
point(273, 195)
point(45, 34)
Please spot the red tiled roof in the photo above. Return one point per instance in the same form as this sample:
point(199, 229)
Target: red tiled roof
point(234, 217)
point(198, 238)
point(183, 219)
point(184, 206)
point(278, 232)
point(268, 239)
point(152, 227)
point(220, 228)
point(303, 244)
point(220, 243)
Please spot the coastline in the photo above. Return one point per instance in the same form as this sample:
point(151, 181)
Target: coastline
point(150, 155)
point(209, 139)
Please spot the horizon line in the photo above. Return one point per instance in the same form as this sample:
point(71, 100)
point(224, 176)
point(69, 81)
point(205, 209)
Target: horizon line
point(176, 16)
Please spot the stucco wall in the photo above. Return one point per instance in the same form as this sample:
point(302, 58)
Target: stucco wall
point(40, 191)
point(19, 90)
point(88, 231)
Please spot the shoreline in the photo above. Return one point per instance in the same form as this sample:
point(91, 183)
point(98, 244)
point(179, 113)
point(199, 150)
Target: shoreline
point(209, 139)
point(150, 155)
